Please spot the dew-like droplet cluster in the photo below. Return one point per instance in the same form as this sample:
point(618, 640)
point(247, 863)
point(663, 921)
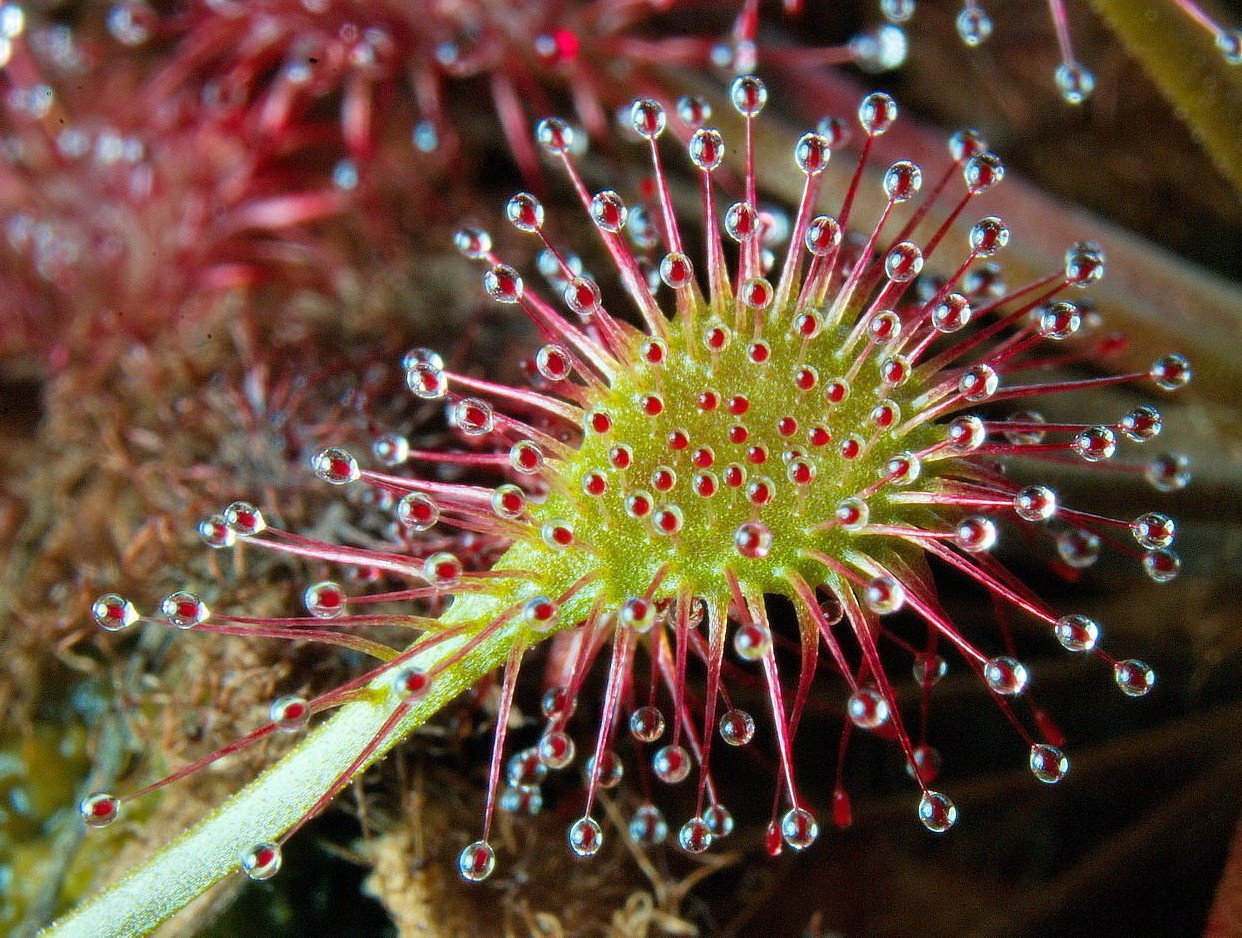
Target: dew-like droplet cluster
point(804, 427)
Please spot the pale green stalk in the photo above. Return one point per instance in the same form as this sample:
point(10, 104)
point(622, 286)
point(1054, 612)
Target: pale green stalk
point(276, 800)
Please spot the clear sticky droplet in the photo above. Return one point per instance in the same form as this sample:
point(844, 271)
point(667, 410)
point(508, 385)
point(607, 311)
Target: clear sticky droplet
point(1059, 321)
point(611, 769)
point(477, 861)
point(244, 519)
point(336, 466)
point(753, 540)
point(427, 380)
point(1095, 444)
point(554, 135)
point(676, 271)
point(1075, 82)
point(975, 534)
point(508, 502)
point(951, 314)
point(324, 600)
point(1077, 633)
point(1142, 424)
point(262, 861)
point(926, 765)
point(885, 326)
point(988, 236)
point(881, 49)
point(884, 595)
point(418, 511)
point(1035, 503)
point(707, 149)
point(719, 820)
point(1135, 678)
point(897, 11)
point(410, 682)
point(741, 222)
point(130, 22)
point(671, 764)
point(391, 449)
point(751, 641)
point(184, 610)
point(867, 708)
point(799, 828)
point(1171, 372)
point(812, 153)
point(1048, 763)
point(928, 669)
point(1162, 566)
point(974, 26)
point(585, 837)
point(966, 433)
point(737, 727)
point(695, 836)
point(113, 613)
point(823, 235)
point(852, 514)
point(1084, 264)
point(290, 713)
point(876, 113)
point(608, 211)
point(1153, 530)
point(937, 812)
point(539, 613)
point(515, 800)
point(978, 383)
point(903, 262)
point(982, 171)
point(442, 568)
point(647, 724)
point(647, 827)
point(216, 533)
point(503, 284)
point(693, 111)
point(556, 749)
point(638, 614)
point(99, 809)
point(1169, 472)
point(835, 130)
point(1079, 548)
point(526, 457)
point(525, 212)
point(525, 769)
point(473, 243)
point(902, 181)
point(425, 136)
point(558, 703)
point(473, 417)
point(1006, 676)
point(902, 469)
point(582, 295)
point(749, 94)
point(648, 118)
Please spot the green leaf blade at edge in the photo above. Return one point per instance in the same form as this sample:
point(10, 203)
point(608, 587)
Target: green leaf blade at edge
point(1182, 59)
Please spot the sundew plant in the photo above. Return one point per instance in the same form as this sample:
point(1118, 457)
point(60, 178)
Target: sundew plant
point(726, 424)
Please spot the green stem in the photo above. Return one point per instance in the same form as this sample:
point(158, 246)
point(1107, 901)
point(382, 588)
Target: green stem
point(278, 799)
point(1182, 58)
